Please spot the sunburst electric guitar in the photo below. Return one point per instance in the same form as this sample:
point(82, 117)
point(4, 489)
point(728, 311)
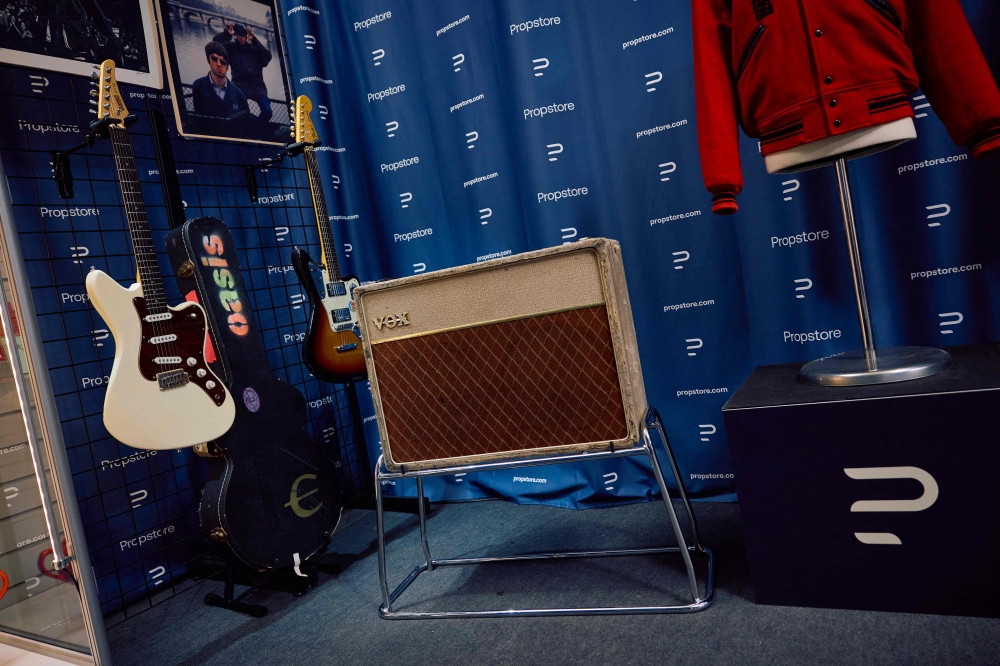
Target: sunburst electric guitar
point(331, 349)
point(161, 393)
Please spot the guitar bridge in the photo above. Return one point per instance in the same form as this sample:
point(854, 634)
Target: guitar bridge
point(171, 379)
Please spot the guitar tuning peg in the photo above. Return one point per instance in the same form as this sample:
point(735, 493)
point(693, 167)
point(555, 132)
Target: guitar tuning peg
point(93, 102)
point(93, 110)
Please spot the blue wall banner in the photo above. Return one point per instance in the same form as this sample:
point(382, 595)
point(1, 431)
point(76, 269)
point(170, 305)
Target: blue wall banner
point(471, 130)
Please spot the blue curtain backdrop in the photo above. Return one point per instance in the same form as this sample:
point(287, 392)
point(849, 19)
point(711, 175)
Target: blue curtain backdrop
point(447, 123)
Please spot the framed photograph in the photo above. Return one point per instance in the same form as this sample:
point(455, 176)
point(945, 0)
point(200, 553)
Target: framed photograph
point(226, 69)
point(70, 36)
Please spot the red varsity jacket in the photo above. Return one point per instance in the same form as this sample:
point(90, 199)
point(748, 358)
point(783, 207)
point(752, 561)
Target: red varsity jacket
point(795, 71)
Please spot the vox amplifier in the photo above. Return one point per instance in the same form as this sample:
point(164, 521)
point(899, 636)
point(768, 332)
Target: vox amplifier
point(529, 355)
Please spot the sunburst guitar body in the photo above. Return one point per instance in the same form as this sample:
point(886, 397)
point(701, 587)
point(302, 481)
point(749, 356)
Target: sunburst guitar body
point(332, 347)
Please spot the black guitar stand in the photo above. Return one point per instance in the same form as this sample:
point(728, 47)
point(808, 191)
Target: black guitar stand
point(284, 579)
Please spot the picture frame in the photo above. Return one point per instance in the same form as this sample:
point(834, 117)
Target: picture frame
point(208, 94)
point(72, 37)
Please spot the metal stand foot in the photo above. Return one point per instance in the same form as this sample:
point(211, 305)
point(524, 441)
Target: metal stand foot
point(229, 602)
point(699, 601)
point(868, 366)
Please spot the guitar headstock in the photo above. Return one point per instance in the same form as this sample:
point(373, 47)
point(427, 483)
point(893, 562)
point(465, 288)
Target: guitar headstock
point(303, 130)
point(106, 95)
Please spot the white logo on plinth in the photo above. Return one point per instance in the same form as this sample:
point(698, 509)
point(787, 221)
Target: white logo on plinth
point(925, 501)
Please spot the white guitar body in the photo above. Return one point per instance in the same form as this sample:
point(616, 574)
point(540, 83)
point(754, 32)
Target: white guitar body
point(137, 411)
point(338, 301)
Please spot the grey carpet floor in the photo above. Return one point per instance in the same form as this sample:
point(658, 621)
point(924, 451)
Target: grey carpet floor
point(337, 622)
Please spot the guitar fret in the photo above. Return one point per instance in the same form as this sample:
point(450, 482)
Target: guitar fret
point(322, 218)
point(138, 223)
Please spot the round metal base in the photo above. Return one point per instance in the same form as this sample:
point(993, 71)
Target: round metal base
point(895, 364)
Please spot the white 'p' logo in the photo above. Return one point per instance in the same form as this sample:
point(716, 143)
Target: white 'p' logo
point(925, 501)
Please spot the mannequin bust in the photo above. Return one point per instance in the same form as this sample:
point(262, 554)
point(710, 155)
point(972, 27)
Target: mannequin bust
point(849, 146)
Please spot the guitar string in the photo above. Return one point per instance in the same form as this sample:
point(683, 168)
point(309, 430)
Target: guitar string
point(142, 242)
point(322, 217)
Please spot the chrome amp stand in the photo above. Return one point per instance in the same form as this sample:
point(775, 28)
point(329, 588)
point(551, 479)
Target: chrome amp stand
point(652, 420)
point(868, 366)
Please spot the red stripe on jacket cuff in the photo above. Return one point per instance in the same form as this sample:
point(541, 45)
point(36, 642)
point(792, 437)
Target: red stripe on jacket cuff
point(986, 142)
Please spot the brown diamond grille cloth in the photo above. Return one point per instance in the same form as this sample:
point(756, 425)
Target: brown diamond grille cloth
point(542, 381)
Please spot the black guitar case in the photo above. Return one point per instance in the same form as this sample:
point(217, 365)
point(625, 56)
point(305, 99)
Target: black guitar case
point(273, 496)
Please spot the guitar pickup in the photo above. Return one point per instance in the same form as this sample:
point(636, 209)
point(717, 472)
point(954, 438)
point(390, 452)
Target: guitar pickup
point(171, 379)
point(341, 314)
point(336, 289)
point(351, 346)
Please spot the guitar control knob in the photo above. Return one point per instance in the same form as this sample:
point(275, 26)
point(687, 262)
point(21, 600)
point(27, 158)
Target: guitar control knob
point(201, 372)
point(210, 385)
point(192, 361)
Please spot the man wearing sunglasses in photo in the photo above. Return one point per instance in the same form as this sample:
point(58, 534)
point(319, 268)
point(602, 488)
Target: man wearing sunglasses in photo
point(215, 96)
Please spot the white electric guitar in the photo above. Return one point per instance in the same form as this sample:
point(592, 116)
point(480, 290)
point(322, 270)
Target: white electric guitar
point(161, 393)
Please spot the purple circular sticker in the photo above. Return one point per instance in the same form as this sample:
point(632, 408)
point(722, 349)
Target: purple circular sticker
point(251, 399)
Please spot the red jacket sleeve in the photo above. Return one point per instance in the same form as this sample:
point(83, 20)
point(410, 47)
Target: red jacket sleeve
point(718, 103)
point(954, 74)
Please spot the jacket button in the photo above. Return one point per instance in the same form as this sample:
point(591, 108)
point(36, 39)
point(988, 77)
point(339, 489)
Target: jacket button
point(828, 80)
point(819, 33)
point(836, 123)
point(833, 103)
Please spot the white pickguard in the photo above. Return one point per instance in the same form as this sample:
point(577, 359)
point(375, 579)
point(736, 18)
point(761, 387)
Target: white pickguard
point(136, 411)
point(339, 308)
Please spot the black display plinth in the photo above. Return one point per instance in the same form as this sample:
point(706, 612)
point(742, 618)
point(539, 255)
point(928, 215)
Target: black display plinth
point(877, 497)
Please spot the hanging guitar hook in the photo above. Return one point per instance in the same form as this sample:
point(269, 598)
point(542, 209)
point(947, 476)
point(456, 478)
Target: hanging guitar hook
point(61, 169)
point(250, 170)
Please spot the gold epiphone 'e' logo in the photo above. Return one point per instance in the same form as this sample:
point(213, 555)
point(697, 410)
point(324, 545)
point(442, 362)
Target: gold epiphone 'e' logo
point(392, 321)
point(294, 497)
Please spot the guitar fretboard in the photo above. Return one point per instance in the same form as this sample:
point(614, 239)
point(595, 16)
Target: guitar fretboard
point(322, 219)
point(138, 224)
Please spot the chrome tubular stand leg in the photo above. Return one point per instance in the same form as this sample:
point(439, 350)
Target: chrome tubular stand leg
point(681, 543)
point(380, 526)
point(653, 417)
point(423, 524)
point(857, 270)
point(641, 448)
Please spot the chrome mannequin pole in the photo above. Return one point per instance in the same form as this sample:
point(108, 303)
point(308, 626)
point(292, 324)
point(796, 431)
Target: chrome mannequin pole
point(857, 270)
point(868, 366)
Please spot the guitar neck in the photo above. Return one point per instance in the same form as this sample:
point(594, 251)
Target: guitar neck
point(138, 224)
point(322, 218)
